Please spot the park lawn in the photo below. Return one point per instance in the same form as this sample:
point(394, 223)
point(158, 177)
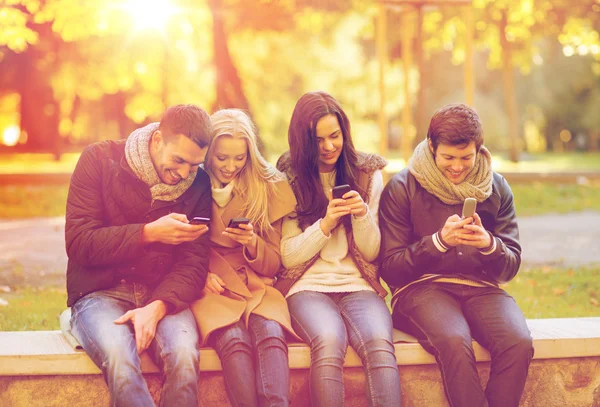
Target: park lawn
point(27, 201)
point(547, 292)
point(32, 309)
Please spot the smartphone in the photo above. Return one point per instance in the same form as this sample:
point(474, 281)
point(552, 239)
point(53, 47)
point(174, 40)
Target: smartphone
point(469, 207)
point(197, 220)
point(338, 191)
point(236, 222)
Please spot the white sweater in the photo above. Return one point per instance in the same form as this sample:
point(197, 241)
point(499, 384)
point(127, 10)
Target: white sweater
point(334, 271)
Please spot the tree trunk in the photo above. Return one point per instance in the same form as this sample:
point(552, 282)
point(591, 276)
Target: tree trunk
point(229, 86)
point(509, 91)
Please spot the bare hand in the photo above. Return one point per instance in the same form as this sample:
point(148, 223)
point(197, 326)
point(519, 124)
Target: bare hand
point(335, 210)
point(144, 322)
point(172, 229)
point(214, 284)
point(355, 203)
point(474, 234)
point(453, 226)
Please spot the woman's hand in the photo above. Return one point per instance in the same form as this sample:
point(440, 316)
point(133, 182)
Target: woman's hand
point(335, 210)
point(355, 203)
point(214, 284)
point(244, 234)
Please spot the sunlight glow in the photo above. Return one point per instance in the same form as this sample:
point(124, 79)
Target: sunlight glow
point(11, 134)
point(150, 15)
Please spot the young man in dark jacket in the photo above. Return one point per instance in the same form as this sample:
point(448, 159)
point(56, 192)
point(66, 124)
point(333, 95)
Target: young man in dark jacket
point(444, 270)
point(135, 261)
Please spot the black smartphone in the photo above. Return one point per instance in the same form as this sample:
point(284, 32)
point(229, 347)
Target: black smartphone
point(197, 220)
point(338, 191)
point(236, 222)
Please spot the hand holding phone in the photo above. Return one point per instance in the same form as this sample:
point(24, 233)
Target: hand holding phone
point(197, 220)
point(236, 222)
point(340, 190)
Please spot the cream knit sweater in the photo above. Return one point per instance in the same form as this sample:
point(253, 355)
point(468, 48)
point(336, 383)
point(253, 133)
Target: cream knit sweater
point(334, 271)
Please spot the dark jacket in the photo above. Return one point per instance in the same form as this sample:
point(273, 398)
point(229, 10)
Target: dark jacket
point(107, 207)
point(409, 216)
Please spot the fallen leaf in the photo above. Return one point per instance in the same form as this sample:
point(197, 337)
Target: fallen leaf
point(571, 272)
point(5, 288)
point(532, 282)
point(558, 291)
point(594, 302)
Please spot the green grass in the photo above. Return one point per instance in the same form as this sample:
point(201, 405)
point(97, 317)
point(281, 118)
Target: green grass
point(547, 292)
point(551, 292)
point(32, 309)
point(18, 201)
point(541, 198)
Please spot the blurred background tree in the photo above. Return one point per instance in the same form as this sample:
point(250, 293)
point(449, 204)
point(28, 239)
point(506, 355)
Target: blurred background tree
point(75, 72)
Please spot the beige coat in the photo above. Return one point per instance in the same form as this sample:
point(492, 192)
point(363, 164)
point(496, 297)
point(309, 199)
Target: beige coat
point(248, 283)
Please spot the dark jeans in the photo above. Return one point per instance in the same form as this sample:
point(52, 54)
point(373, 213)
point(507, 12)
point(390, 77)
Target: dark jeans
point(112, 347)
point(446, 317)
point(255, 362)
point(328, 322)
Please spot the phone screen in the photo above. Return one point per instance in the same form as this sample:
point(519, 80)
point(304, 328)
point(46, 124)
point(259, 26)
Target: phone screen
point(469, 207)
point(199, 221)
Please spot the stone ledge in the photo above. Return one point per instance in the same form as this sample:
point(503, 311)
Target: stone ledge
point(48, 353)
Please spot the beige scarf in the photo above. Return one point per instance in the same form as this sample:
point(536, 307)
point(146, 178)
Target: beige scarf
point(222, 195)
point(477, 184)
point(137, 154)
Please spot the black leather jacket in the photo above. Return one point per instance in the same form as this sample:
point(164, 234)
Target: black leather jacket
point(409, 216)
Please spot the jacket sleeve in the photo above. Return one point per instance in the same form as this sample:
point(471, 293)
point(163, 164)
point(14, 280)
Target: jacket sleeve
point(401, 259)
point(88, 241)
point(365, 229)
point(268, 260)
point(503, 263)
point(187, 277)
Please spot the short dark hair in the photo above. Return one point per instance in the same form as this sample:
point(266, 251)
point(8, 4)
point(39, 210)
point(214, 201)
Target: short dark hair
point(455, 124)
point(189, 120)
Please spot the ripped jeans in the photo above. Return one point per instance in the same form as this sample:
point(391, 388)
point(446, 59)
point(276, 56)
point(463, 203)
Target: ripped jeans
point(112, 347)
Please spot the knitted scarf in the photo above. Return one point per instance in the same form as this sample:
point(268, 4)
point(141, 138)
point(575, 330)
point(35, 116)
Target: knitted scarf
point(477, 184)
point(222, 195)
point(137, 154)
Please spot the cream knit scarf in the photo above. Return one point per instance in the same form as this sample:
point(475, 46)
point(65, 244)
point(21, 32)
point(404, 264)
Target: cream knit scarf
point(222, 195)
point(477, 184)
point(137, 154)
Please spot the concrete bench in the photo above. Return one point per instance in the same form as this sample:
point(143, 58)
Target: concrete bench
point(42, 369)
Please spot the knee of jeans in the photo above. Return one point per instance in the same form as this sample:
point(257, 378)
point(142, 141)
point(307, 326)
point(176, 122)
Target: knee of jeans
point(374, 345)
point(329, 344)
point(520, 345)
point(453, 344)
point(230, 343)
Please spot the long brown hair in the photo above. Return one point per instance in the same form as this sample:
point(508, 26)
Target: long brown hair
point(304, 151)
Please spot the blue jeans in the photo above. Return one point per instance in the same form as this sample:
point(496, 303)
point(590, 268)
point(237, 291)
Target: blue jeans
point(328, 322)
point(112, 347)
point(255, 362)
point(446, 317)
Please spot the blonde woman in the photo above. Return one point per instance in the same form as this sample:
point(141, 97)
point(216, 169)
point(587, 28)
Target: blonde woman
point(239, 313)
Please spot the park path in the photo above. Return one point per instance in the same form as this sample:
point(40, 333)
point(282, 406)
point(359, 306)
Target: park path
point(32, 251)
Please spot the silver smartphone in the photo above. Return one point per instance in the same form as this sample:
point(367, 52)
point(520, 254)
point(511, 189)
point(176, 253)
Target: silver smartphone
point(469, 207)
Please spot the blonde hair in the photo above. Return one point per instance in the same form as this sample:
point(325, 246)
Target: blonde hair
point(256, 181)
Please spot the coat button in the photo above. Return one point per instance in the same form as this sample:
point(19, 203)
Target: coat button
point(460, 253)
point(133, 269)
point(123, 281)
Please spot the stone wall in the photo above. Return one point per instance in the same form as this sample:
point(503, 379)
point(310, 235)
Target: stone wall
point(573, 382)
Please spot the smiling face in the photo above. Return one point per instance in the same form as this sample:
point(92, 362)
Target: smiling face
point(228, 158)
point(330, 140)
point(455, 162)
point(175, 157)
